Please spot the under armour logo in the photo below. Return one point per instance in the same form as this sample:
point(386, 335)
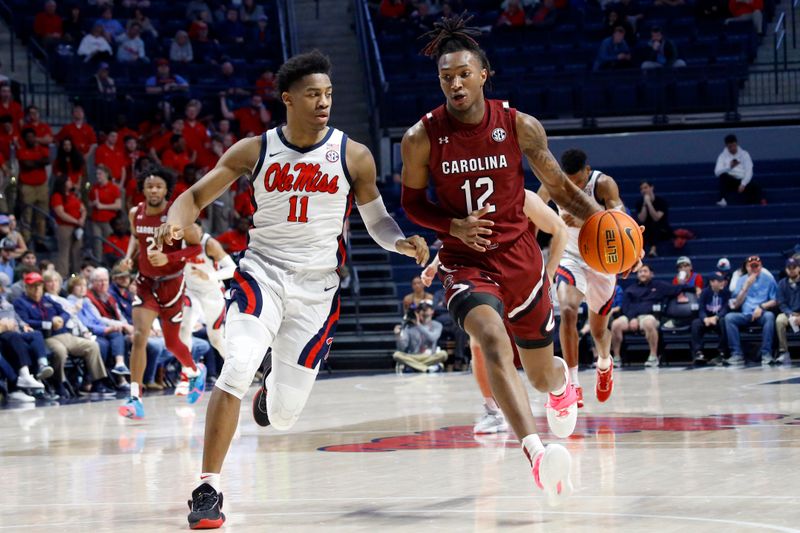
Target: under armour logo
point(443, 140)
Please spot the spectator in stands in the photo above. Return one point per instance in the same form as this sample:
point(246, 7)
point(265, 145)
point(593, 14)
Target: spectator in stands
point(148, 30)
point(120, 237)
point(416, 295)
point(235, 239)
point(392, 9)
point(7, 263)
point(9, 136)
point(26, 263)
point(69, 162)
point(713, 306)
point(132, 154)
point(250, 11)
point(614, 19)
point(44, 134)
point(194, 131)
point(180, 51)
point(253, 119)
point(243, 201)
point(8, 106)
point(266, 86)
point(417, 341)
point(70, 215)
point(167, 88)
point(652, 211)
point(685, 276)
point(711, 9)
point(614, 52)
point(33, 161)
point(112, 28)
point(747, 10)
point(120, 290)
point(94, 46)
point(42, 314)
point(53, 286)
point(724, 268)
point(112, 160)
point(734, 169)
point(23, 347)
point(177, 156)
point(206, 50)
point(79, 131)
point(754, 298)
point(47, 24)
point(637, 312)
point(662, 52)
point(74, 26)
point(106, 96)
point(130, 46)
point(236, 85)
point(513, 16)
point(789, 305)
point(105, 200)
point(195, 8)
point(260, 37)
point(231, 30)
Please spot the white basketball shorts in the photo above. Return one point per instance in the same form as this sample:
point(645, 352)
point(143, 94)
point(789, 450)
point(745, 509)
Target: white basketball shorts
point(597, 288)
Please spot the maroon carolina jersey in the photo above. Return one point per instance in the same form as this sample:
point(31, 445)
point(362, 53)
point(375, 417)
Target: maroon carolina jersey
point(472, 165)
point(145, 229)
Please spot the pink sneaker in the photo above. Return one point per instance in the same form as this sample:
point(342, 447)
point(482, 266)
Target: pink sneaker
point(562, 411)
point(551, 470)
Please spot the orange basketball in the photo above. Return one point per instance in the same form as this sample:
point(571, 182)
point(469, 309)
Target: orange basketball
point(610, 242)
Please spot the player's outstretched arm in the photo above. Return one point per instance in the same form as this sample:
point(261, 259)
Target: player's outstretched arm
point(240, 159)
point(548, 221)
point(533, 143)
point(380, 225)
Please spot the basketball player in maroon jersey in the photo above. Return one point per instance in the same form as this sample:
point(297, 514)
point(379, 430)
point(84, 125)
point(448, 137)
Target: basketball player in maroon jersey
point(161, 288)
point(492, 270)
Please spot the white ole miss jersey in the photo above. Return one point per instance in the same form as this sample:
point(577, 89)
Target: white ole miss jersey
point(572, 239)
point(302, 197)
point(205, 264)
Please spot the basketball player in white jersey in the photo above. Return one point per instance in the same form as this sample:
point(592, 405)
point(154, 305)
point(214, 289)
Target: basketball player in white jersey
point(204, 275)
point(285, 293)
point(576, 281)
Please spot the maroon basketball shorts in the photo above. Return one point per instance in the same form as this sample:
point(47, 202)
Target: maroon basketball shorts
point(512, 280)
point(163, 295)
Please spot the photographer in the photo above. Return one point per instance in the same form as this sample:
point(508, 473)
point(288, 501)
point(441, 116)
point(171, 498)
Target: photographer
point(417, 340)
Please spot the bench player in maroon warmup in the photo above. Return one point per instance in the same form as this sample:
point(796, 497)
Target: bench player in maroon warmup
point(471, 149)
point(161, 288)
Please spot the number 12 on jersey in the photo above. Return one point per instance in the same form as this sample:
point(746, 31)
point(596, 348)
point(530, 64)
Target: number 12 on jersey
point(481, 183)
point(293, 215)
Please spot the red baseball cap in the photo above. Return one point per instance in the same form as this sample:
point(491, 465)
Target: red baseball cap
point(31, 278)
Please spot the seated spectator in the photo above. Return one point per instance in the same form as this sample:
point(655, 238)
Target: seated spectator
point(69, 162)
point(168, 88)
point(120, 290)
point(734, 169)
point(53, 287)
point(266, 86)
point(47, 25)
point(236, 85)
point(130, 46)
point(789, 305)
point(25, 263)
point(417, 341)
point(754, 298)
point(74, 26)
point(614, 52)
point(112, 160)
point(250, 11)
point(544, 15)
point(112, 28)
point(180, 51)
point(8, 106)
point(614, 19)
point(724, 267)
point(120, 238)
point(747, 10)
point(713, 306)
point(148, 30)
point(513, 16)
point(10, 230)
point(231, 30)
point(7, 263)
point(234, 240)
point(637, 312)
point(46, 316)
point(70, 216)
point(109, 337)
point(662, 51)
point(417, 294)
point(652, 213)
point(253, 119)
point(392, 9)
point(194, 8)
point(94, 46)
point(206, 50)
point(23, 347)
point(105, 200)
point(685, 276)
point(80, 132)
point(44, 134)
point(131, 153)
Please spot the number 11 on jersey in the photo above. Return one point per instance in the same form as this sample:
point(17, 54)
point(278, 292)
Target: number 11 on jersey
point(481, 183)
point(293, 216)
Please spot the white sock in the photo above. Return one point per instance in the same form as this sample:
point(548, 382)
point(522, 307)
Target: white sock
point(190, 372)
point(532, 445)
point(212, 479)
point(563, 388)
point(134, 390)
point(603, 363)
point(24, 372)
point(573, 375)
point(491, 405)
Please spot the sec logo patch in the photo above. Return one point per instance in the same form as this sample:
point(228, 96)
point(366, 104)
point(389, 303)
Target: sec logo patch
point(332, 156)
point(499, 135)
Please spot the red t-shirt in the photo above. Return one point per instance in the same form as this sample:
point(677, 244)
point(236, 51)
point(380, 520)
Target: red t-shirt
point(249, 121)
point(74, 174)
point(517, 18)
point(37, 176)
point(82, 137)
point(121, 134)
point(112, 158)
point(72, 207)
point(107, 194)
point(120, 242)
point(389, 9)
point(176, 161)
point(41, 128)
point(206, 159)
point(159, 143)
point(243, 204)
point(196, 135)
point(180, 187)
point(46, 24)
point(6, 141)
point(233, 241)
point(738, 9)
point(15, 110)
point(133, 196)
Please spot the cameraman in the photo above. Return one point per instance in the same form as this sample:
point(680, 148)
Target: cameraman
point(417, 340)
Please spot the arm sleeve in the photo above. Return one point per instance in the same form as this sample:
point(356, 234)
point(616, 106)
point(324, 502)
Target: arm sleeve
point(226, 268)
point(380, 225)
point(422, 211)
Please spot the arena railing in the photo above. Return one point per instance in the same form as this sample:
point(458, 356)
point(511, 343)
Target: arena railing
point(371, 59)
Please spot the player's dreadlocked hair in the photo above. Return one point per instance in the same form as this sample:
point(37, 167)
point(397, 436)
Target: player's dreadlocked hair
point(453, 35)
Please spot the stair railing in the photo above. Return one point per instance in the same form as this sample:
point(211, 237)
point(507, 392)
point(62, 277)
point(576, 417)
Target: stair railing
point(779, 43)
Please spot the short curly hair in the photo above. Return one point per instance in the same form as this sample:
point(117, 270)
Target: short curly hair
point(299, 66)
point(160, 172)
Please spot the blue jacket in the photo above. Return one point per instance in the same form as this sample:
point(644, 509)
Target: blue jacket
point(40, 315)
point(124, 301)
point(639, 299)
point(609, 50)
point(714, 304)
point(89, 316)
point(789, 296)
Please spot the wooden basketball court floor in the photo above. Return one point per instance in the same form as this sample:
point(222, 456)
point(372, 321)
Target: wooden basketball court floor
point(673, 450)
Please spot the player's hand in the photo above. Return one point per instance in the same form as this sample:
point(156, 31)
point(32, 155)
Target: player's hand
point(571, 221)
point(199, 273)
point(156, 258)
point(428, 273)
point(469, 230)
point(126, 264)
point(638, 265)
point(166, 233)
point(414, 246)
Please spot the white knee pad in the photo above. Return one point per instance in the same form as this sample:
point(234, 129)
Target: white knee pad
point(246, 343)
point(217, 339)
point(288, 386)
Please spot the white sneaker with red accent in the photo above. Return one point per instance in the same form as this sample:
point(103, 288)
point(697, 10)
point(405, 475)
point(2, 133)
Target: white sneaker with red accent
point(182, 388)
point(562, 411)
point(551, 471)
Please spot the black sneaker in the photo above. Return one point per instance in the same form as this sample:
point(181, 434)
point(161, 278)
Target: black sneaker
point(260, 398)
point(101, 391)
point(205, 508)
